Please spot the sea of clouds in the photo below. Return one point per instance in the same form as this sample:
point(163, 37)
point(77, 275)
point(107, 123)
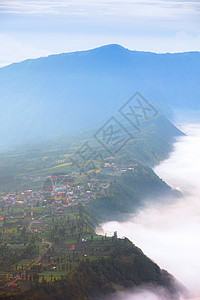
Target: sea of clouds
point(170, 233)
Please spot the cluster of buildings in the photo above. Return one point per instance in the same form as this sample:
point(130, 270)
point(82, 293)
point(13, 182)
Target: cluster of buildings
point(65, 189)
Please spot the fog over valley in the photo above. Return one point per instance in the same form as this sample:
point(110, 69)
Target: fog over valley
point(169, 233)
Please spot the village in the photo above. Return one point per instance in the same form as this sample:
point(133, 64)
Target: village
point(65, 190)
point(45, 233)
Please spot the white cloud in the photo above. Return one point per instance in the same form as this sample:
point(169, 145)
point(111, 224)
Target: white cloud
point(63, 26)
point(150, 8)
point(12, 51)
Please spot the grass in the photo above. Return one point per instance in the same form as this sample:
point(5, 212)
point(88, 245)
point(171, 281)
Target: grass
point(57, 274)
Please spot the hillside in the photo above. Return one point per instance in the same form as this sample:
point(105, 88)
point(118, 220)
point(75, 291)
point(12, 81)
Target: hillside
point(49, 96)
point(125, 266)
point(129, 192)
point(27, 166)
point(74, 261)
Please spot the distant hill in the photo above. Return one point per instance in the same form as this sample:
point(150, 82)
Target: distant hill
point(53, 95)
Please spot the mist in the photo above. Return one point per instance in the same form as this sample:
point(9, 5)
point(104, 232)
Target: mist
point(170, 233)
point(142, 293)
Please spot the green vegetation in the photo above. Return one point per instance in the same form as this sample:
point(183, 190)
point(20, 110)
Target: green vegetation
point(65, 258)
point(48, 245)
point(26, 167)
point(124, 265)
point(129, 192)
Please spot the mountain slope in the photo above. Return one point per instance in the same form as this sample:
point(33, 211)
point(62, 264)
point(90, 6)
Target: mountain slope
point(126, 267)
point(129, 192)
point(55, 94)
point(21, 165)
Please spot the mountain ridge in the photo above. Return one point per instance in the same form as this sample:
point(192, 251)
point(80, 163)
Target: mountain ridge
point(103, 47)
point(53, 95)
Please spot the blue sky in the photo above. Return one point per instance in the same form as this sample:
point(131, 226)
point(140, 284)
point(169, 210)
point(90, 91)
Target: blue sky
point(38, 28)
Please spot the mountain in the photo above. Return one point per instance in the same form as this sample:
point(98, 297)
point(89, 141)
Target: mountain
point(53, 95)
